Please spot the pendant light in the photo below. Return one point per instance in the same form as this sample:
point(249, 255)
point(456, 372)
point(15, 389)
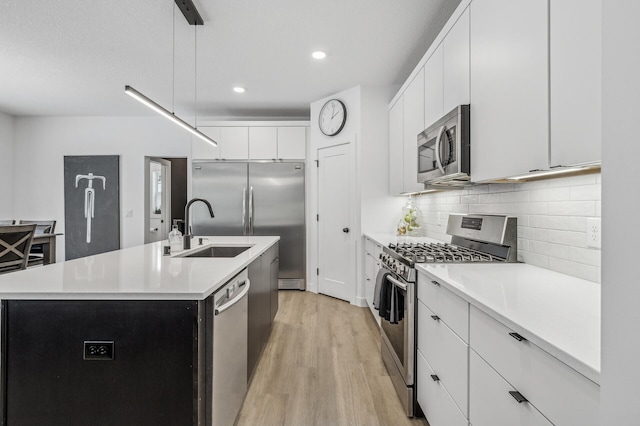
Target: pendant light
point(163, 111)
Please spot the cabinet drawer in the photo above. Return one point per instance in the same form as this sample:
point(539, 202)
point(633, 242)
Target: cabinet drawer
point(562, 394)
point(369, 246)
point(435, 401)
point(370, 268)
point(451, 309)
point(491, 404)
point(446, 353)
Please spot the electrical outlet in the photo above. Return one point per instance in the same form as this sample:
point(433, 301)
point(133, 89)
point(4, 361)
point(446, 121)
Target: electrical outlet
point(594, 232)
point(98, 350)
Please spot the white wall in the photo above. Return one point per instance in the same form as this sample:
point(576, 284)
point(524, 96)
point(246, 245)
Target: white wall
point(42, 142)
point(620, 378)
point(552, 219)
point(380, 212)
point(6, 165)
point(374, 209)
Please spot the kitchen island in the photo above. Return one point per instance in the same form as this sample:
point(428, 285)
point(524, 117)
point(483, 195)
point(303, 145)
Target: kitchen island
point(124, 337)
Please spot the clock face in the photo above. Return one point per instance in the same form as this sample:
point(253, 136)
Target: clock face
point(333, 116)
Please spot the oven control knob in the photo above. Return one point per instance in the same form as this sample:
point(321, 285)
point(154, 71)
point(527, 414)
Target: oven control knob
point(402, 270)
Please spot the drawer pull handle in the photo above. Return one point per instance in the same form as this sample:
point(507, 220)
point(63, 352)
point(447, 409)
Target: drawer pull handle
point(518, 397)
point(435, 378)
point(435, 317)
point(436, 283)
point(516, 336)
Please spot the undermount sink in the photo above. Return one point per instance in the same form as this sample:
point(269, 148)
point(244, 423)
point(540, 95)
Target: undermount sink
point(219, 251)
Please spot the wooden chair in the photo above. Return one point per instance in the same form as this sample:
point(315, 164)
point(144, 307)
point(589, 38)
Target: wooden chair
point(15, 243)
point(5, 222)
point(36, 255)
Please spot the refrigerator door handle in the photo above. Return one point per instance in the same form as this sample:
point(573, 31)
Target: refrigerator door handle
point(251, 210)
point(244, 210)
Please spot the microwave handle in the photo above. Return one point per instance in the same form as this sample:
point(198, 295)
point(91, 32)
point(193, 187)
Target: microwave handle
point(437, 149)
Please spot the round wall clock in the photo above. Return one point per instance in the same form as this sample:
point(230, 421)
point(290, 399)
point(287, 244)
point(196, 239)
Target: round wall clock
point(333, 117)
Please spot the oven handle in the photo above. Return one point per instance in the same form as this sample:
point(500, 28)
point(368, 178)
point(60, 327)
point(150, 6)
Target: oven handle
point(397, 283)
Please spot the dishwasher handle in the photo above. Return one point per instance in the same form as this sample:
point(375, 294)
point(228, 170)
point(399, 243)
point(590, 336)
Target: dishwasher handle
point(236, 299)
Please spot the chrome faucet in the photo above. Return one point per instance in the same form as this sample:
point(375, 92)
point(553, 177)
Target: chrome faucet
point(186, 241)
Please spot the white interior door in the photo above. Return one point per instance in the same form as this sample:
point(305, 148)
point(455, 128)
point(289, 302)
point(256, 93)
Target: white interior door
point(335, 240)
point(158, 199)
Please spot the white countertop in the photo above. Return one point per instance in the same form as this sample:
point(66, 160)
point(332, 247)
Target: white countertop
point(558, 313)
point(136, 273)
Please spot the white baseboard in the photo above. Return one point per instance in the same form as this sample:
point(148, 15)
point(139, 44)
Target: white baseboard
point(361, 302)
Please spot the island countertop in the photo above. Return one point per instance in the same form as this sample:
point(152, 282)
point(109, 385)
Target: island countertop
point(135, 273)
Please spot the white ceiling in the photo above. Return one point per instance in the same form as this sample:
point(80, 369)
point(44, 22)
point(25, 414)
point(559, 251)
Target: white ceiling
point(70, 57)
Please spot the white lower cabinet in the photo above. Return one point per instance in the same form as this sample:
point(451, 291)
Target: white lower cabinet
point(372, 252)
point(490, 401)
point(435, 401)
point(562, 394)
point(447, 354)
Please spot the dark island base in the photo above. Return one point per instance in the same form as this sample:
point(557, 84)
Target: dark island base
point(99, 362)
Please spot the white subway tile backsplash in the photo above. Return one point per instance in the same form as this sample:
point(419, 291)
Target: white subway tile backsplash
point(514, 197)
point(478, 189)
point(578, 224)
point(575, 269)
point(552, 218)
point(533, 259)
point(585, 192)
point(469, 199)
point(501, 187)
point(552, 250)
point(488, 198)
point(584, 255)
point(569, 238)
point(572, 208)
point(549, 194)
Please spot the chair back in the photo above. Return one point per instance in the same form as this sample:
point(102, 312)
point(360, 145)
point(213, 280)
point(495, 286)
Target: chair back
point(42, 226)
point(5, 222)
point(15, 243)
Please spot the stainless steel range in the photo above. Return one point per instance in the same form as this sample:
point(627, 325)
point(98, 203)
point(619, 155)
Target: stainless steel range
point(474, 238)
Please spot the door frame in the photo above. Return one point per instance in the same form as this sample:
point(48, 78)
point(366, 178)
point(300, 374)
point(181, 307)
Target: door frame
point(166, 197)
point(354, 214)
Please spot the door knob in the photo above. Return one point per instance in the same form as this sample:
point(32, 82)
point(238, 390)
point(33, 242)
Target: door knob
point(345, 230)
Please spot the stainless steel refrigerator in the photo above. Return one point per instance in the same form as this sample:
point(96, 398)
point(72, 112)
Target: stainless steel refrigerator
point(255, 198)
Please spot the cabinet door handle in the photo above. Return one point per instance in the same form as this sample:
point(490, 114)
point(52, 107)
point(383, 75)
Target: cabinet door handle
point(436, 283)
point(435, 378)
point(516, 336)
point(435, 317)
point(518, 397)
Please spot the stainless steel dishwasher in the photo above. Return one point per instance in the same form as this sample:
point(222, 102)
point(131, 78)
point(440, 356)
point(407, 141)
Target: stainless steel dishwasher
point(229, 381)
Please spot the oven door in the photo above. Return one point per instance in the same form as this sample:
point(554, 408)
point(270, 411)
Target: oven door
point(399, 338)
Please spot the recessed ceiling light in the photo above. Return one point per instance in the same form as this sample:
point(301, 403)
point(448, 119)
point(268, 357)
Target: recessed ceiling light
point(319, 54)
point(239, 89)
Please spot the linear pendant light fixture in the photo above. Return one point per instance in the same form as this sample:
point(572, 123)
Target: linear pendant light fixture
point(193, 18)
point(165, 113)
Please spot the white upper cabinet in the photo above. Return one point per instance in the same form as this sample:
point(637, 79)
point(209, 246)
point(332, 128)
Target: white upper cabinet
point(201, 150)
point(433, 88)
point(292, 143)
point(396, 147)
point(263, 143)
point(576, 69)
point(455, 49)
point(509, 88)
point(234, 143)
point(413, 124)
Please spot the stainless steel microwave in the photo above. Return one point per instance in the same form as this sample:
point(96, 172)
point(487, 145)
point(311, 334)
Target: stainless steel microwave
point(444, 150)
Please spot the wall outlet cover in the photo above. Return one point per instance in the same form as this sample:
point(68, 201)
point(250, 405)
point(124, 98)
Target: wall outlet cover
point(594, 232)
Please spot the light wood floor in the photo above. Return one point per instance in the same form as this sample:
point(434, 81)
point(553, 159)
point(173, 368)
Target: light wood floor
point(322, 367)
